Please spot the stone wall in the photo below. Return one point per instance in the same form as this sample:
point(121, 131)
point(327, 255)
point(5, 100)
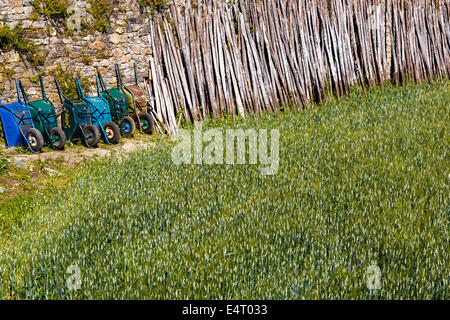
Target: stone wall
point(126, 42)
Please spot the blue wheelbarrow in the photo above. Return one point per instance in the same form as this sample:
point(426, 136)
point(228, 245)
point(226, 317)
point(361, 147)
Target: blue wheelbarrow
point(101, 114)
point(18, 126)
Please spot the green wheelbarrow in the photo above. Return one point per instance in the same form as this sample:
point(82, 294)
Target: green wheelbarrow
point(118, 105)
point(45, 118)
point(137, 103)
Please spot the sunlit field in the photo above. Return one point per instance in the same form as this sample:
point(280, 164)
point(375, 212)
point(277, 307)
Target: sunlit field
point(361, 181)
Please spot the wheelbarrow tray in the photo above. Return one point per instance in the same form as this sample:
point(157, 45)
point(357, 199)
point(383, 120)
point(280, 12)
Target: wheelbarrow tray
point(48, 115)
point(118, 103)
point(138, 96)
point(77, 114)
point(99, 110)
point(83, 111)
point(15, 127)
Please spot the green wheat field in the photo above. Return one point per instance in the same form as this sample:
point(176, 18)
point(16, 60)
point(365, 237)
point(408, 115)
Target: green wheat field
point(361, 181)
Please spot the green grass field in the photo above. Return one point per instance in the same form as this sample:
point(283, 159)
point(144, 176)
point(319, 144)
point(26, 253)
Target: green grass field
point(363, 180)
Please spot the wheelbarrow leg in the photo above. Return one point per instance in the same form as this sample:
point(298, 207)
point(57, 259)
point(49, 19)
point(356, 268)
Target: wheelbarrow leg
point(102, 130)
point(24, 136)
point(49, 137)
point(28, 143)
point(136, 112)
point(84, 137)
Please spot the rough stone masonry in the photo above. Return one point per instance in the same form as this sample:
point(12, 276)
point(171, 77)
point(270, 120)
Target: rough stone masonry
point(126, 42)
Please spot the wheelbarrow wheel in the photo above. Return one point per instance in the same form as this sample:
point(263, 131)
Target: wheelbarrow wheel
point(35, 139)
point(112, 131)
point(127, 127)
point(58, 138)
point(147, 123)
point(92, 135)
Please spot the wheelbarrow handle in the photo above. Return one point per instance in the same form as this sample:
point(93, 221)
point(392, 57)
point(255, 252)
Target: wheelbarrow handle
point(24, 93)
point(62, 97)
point(102, 86)
point(101, 81)
point(118, 77)
point(44, 96)
point(20, 88)
point(99, 86)
point(135, 74)
point(80, 91)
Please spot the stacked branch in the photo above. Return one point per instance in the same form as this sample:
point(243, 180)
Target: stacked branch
point(252, 56)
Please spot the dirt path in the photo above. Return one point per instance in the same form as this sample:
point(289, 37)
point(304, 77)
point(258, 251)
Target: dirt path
point(72, 156)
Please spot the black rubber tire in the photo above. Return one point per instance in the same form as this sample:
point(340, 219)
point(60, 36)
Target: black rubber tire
point(132, 127)
point(35, 139)
point(145, 117)
point(112, 132)
point(93, 136)
point(61, 138)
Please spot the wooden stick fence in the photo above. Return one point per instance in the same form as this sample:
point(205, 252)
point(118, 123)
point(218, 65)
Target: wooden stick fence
point(252, 56)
